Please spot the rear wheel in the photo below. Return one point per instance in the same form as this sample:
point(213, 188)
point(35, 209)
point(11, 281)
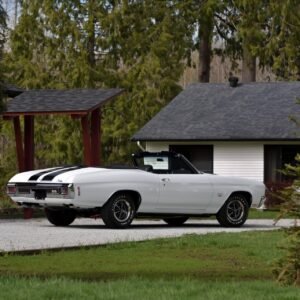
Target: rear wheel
point(175, 221)
point(119, 211)
point(60, 217)
point(234, 212)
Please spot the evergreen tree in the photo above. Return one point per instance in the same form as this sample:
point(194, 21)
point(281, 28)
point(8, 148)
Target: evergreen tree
point(288, 267)
point(3, 28)
point(280, 48)
point(65, 44)
point(269, 30)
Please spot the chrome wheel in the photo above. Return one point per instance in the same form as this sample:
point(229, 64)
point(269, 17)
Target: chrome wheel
point(119, 211)
point(235, 210)
point(122, 210)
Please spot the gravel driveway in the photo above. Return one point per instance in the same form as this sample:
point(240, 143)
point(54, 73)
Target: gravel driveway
point(36, 234)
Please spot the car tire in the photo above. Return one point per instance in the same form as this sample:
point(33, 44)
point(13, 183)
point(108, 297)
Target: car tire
point(234, 212)
point(119, 211)
point(60, 217)
point(175, 221)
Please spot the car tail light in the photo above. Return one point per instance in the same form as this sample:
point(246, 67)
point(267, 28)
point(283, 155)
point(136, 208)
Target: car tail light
point(11, 189)
point(64, 190)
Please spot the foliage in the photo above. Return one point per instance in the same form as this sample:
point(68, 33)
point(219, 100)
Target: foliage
point(288, 270)
point(3, 27)
point(280, 48)
point(274, 188)
point(70, 44)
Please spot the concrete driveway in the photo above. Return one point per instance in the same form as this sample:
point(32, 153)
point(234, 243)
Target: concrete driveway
point(37, 234)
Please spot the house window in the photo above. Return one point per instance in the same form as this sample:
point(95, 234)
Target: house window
point(276, 156)
point(201, 156)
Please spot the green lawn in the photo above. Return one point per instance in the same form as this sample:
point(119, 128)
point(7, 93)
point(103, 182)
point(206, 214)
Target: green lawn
point(223, 256)
point(213, 266)
point(263, 214)
point(138, 288)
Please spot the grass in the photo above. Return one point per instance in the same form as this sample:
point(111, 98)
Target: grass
point(263, 214)
point(138, 288)
point(223, 256)
point(214, 266)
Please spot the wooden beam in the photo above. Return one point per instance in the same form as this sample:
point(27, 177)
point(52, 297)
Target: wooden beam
point(19, 144)
point(86, 140)
point(42, 113)
point(76, 116)
point(7, 118)
point(95, 137)
point(29, 142)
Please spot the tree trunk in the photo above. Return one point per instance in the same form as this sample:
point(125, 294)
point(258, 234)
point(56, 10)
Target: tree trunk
point(205, 33)
point(91, 40)
point(248, 67)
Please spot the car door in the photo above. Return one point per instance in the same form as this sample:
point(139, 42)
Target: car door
point(185, 193)
point(183, 189)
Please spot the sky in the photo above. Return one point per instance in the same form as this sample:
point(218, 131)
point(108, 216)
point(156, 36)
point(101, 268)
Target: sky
point(9, 6)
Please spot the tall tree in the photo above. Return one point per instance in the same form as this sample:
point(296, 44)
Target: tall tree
point(205, 36)
point(3, 27)
point(64, 44)
point(241, 25)
point(280, 47)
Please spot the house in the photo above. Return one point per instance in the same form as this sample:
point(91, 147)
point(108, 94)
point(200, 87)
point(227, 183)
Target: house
point(243, 131)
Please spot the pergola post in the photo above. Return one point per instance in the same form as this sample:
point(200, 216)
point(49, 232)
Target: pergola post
point(95, 137)
point(19, 143)
point(78, 103)
point(86, 140)
point(28, 142)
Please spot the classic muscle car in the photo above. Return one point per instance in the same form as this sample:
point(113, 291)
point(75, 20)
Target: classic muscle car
point(163, 184)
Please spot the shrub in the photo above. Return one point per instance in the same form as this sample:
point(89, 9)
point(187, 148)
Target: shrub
point(273, 199)
point(288, 269)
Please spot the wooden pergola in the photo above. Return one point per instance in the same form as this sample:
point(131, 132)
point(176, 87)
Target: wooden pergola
point(83, 104)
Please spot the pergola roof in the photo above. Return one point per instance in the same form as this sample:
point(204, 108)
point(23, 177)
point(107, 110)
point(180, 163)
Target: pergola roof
point(71, 101)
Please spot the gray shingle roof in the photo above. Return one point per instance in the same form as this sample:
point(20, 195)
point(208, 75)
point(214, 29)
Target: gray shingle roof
point(207, 111)
point(51, 101)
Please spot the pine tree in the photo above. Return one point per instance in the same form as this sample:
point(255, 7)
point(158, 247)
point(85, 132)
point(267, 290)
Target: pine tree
point(288, 267)
point(66, 44)
point(3, 28)
point(280, 47)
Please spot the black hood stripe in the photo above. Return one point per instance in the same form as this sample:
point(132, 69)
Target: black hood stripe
point(51, 176)
point(37, 175)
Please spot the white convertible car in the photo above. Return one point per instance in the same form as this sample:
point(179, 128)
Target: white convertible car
point(164, 185)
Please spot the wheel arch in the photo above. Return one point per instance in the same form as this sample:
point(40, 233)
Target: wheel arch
point(246, 194)
point(136, 197)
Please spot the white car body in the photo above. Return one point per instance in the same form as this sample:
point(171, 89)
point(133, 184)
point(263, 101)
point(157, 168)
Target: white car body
point(83, 188)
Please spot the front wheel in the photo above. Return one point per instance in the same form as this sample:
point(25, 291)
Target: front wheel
point(234, 212)
point(175, 221)
point(60, 217)
point(119, 211)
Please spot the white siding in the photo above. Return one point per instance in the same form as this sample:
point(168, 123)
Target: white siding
point(239, 159)
point(243, 159)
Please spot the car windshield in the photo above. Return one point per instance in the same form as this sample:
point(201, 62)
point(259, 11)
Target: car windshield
point(164, 164)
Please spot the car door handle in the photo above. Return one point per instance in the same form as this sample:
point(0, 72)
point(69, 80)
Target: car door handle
point(165, 179)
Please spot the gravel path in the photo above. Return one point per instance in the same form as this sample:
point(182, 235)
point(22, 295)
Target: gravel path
point(36, 234)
